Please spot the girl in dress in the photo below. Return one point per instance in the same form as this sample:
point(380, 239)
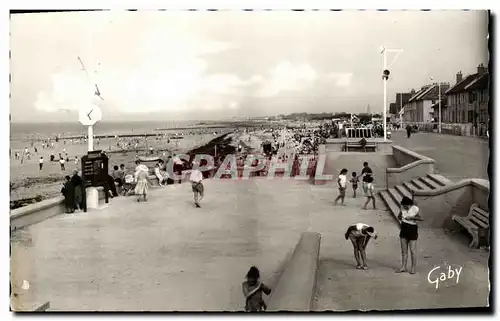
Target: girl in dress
point(141, 177)
point(409, 233)
point(369, 192)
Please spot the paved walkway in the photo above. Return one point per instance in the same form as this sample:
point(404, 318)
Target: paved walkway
point(341, 287)
point(167, 255)
point(457, 157)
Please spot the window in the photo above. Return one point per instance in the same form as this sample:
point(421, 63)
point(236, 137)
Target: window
point(470, 116)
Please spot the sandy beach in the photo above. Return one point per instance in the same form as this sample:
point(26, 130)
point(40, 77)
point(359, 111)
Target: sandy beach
point(28, 181)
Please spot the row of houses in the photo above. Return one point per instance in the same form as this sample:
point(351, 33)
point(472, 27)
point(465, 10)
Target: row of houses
point(465, 102)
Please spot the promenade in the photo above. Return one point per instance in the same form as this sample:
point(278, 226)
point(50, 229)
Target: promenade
point(457, 157)
point(167, 255)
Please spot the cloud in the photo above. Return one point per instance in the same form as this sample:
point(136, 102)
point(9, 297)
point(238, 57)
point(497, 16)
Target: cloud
point(288, 77)
point(341, 79)
point(169, 74)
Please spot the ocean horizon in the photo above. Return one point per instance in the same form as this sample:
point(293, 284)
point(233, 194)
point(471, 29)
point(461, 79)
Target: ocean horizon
point(27, 130)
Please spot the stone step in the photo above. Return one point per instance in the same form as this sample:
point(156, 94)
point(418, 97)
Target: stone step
point(429, 183)
point(417, 184)
point(403, 190)
point(395, 195)
point(409, 186)
point(440, 179)
point(391, 204)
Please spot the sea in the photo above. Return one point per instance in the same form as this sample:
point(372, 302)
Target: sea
point(27, 131)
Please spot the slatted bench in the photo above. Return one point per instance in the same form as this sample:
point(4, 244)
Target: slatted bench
point(477, 223)
point(368, 145)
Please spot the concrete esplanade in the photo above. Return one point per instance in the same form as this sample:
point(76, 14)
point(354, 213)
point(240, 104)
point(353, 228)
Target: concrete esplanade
point(167, 255)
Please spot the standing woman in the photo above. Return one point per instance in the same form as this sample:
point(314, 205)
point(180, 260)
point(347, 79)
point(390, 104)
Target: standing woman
point(409, 233)
point(141, 177)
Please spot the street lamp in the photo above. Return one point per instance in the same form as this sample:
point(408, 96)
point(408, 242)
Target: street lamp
point(439, 97)
point(385, 77)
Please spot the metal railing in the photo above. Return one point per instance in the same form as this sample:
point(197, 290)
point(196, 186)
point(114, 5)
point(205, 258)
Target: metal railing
point(359, 133)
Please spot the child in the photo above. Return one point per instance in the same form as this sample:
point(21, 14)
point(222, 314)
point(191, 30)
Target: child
point(342, 181)
point(252, 290)
point(370, 189)
point(360, 234)
point(354, 182)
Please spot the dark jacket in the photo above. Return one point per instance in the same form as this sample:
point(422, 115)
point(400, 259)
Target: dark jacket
point(252, 290)
point(68, 191)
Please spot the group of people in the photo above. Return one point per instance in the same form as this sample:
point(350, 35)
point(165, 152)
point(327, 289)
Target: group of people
point(73, 192)
point(359, 234)
point(367, 185)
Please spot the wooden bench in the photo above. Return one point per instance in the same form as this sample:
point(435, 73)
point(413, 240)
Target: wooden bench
point(370, 145)
point(477, 223)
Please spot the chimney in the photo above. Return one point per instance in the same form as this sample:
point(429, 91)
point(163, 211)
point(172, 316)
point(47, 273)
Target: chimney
point(459, 77)
point(480, 69)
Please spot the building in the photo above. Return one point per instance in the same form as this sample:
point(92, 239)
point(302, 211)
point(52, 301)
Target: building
point(435, 109)
point(468, 99)
point(419, 106)
point(401, 100)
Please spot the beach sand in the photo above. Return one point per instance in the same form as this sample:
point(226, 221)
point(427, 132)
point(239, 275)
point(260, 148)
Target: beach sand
point(28, 181)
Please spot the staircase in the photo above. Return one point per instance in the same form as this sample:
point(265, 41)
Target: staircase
point(392, 197)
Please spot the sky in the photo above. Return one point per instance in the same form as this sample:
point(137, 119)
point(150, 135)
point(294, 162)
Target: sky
point(181, 65)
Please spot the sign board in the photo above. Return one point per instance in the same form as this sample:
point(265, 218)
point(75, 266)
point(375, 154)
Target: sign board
point(89, 115)
point(95, 169)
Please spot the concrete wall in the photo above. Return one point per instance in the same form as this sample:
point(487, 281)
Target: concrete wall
point(297, 286)
point(337, 145)
point(427, 111)
point(451, 200)
point(453, 129)
point(410, 166)
point(40, 211)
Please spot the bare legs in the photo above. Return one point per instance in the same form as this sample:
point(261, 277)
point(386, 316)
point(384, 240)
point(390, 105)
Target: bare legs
point(359, 244)
point(405, 244)
point(196, 198)
point(368, 201)
point(144, 196)
point(340, 197)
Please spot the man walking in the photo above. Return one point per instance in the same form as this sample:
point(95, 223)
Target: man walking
point(40, 163)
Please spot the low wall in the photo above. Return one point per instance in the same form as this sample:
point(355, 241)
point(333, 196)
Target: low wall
point(453, 129)
point(451, 200)
point(338, 144)
point(34, 213)
point(410, 166)
point(297, 285)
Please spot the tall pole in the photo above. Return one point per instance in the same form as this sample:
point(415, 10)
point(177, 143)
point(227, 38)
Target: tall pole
point(91, 138)
point(439, 90)
point(385, 96)
point(400, 110)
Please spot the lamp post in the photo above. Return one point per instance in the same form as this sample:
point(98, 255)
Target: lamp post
point(385, 77)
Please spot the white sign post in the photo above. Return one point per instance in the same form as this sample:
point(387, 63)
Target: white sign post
point(89, 116)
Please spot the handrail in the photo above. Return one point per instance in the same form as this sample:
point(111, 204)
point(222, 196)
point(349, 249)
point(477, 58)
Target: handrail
point(409, 166)
point(481, 184)
point(410, 152)
point(420, 160)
